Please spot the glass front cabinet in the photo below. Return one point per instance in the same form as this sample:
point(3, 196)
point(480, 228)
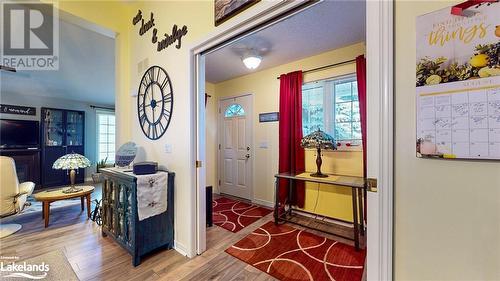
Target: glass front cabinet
point(63, 132)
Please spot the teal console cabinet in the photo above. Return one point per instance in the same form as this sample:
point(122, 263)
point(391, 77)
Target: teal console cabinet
point(120, 220)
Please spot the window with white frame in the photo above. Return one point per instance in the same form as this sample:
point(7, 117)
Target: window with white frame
point(332, 105)
point(106, 136)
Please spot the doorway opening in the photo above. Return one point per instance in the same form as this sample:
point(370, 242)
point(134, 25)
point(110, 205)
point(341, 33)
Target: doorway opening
point(329, 66)
point(242, 136)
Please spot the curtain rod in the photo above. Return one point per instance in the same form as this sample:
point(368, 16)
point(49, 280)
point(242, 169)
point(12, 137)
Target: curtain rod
point(101, 107)
point(327, 66)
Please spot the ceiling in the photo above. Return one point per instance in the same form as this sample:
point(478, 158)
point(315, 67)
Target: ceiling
point(328, 25)
point(86, 69)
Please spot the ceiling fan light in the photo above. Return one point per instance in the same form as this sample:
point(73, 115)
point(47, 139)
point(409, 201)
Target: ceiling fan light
point(252, 62)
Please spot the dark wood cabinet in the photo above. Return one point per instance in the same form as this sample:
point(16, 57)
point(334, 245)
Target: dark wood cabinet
point(62, 132)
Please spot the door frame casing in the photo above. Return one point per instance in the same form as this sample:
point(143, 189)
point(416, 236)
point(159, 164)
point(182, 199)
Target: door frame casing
point(379, 77)
point(219, 140)
point(380, 137)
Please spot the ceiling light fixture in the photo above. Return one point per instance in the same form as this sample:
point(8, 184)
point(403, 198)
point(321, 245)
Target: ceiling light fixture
point(252, 61)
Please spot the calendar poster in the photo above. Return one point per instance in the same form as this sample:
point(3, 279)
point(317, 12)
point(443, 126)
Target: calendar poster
point(458, 84)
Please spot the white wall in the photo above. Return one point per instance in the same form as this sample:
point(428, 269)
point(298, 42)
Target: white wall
point(39, 102)
point(447, 213)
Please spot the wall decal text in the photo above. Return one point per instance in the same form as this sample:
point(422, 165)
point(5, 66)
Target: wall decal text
point(167, 40)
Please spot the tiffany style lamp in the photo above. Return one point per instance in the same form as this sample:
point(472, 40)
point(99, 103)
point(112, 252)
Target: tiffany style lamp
point(71, 162)
point(318, 140)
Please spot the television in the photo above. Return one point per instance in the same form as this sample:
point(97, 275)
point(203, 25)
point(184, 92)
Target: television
point(19, 134)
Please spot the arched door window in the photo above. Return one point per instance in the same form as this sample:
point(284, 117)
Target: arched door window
point(234, 110)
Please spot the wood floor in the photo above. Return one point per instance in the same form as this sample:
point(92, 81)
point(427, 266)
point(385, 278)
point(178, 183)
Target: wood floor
point(96, 258)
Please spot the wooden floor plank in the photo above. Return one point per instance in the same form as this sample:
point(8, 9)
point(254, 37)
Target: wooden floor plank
point(96, 258)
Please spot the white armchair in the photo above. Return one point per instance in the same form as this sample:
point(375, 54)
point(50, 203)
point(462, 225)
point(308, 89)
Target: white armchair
point(13, 195)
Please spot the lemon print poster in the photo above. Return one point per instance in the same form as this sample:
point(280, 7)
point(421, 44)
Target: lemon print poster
point(458, 84)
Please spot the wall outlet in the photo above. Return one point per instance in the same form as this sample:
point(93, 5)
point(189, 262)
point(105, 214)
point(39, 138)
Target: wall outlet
point(168, 148)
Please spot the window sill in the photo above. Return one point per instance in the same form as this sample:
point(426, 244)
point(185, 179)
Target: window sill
point(349, 148)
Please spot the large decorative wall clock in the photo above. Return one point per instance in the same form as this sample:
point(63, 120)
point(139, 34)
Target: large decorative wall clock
point(155, 101)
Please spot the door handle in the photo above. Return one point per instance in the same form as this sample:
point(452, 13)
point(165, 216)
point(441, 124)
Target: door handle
point(247, 156)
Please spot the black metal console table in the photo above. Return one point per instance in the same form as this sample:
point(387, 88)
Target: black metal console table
point(357, 185)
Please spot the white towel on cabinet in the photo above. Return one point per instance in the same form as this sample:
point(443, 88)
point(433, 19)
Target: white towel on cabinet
point(151, 194)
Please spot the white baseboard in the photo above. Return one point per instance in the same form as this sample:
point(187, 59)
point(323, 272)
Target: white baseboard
point(180, 248)
point(263, 203)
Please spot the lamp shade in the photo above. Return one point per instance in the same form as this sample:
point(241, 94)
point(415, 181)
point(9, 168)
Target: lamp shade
point(318, 139)
point(71, 161)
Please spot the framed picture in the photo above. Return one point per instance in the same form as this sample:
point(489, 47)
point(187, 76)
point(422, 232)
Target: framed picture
point(269, 117)
point(226, 9)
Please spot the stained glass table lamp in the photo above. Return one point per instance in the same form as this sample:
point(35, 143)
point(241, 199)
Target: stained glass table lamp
point(71, 162)
point(318, 140)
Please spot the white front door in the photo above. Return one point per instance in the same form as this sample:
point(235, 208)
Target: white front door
point(235, 154)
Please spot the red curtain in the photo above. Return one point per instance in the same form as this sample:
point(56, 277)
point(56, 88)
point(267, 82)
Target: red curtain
point(291, 154)
point(361, 77)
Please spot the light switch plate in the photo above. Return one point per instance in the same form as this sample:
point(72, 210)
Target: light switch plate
point(263, 144)
point(168, 148)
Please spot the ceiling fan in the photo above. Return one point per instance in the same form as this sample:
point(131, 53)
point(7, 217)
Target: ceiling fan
point(251, 44)
point(251, 50)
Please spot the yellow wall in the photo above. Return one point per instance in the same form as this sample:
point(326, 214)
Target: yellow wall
point(264, 86)
point(198, 17)
point(447, 213)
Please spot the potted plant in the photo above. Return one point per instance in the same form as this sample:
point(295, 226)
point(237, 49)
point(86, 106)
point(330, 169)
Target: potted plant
point(97, 176)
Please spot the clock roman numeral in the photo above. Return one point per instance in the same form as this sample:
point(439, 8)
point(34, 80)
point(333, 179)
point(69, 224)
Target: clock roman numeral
point(151, 74)
point(154, 132)
point(166, 114)
point(144, 83)
point(142, 120)
point(162, 128)
point(167, 98)
point(164, 83)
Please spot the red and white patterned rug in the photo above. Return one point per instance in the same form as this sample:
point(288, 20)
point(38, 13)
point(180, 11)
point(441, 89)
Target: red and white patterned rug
point(234, 215)
point(288, 253)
